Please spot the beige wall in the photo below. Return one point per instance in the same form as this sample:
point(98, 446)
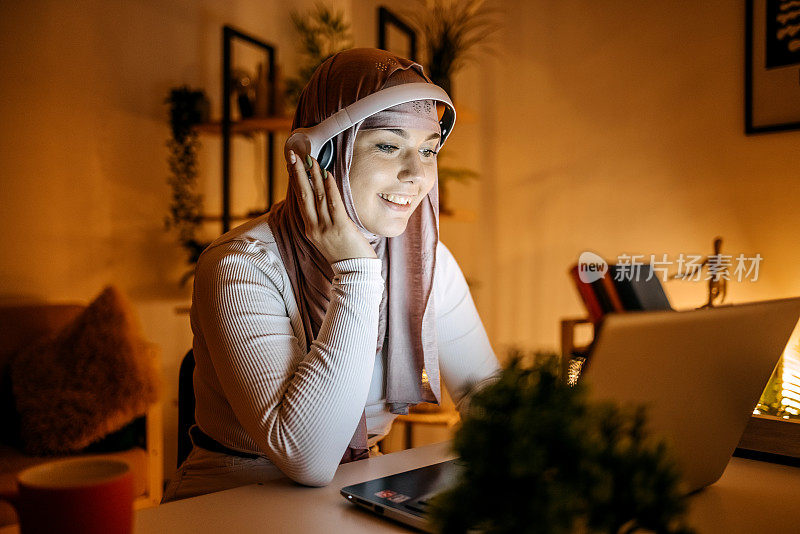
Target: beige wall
point(612, 126)
point(617, 127)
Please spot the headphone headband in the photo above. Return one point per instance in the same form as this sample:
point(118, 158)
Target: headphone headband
point(318, 140)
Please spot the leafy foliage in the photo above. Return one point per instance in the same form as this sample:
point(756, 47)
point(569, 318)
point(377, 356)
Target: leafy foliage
point(453, 29)
point(540, 457)
point(323, 33)
point(188, 108)
point(448, 175)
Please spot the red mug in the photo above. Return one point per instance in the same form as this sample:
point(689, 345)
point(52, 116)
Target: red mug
point(81, 495)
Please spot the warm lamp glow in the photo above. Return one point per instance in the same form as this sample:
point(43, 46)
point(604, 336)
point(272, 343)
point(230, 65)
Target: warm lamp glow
point(790, 378)
point(781, 398)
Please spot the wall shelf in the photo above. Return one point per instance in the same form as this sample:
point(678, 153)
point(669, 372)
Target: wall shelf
point(227, 127)
point(251, 125)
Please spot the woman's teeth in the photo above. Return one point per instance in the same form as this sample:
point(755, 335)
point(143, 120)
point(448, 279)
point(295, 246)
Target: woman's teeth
point(403, 201)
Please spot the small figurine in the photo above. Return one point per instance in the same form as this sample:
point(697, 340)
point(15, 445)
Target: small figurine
point(717, 285)
point(717, 276)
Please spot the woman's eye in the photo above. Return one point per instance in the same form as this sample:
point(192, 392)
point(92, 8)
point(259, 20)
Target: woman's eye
point(389, 149)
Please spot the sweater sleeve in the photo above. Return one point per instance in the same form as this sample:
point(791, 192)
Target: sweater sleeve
point(300, 408)
point(466, 359)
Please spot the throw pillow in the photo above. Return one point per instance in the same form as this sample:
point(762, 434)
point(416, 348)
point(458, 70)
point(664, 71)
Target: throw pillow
point(90, 379)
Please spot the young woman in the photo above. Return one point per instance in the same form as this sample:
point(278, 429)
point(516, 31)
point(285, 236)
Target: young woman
point(320, 321)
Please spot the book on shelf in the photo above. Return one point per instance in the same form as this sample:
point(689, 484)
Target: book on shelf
point(621, 289)
point(639, 288)
point(588, 296)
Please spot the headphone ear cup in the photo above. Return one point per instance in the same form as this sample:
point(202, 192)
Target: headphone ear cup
point(327, 155)
point(299, 143)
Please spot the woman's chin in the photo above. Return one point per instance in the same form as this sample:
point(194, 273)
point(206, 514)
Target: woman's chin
point(393, 229)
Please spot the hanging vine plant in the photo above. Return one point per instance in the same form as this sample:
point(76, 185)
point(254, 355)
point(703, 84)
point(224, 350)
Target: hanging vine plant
point(188, 108)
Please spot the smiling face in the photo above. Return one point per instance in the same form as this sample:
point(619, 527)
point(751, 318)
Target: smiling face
point(392, 171)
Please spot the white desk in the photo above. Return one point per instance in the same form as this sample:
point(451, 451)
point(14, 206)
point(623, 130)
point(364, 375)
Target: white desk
point(283, 506)
point(750, 498)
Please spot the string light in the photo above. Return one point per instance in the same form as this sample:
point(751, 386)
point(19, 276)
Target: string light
point(790, 380)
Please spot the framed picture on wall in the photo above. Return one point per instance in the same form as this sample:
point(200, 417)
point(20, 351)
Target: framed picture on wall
point(396, 36)
point(772, 66)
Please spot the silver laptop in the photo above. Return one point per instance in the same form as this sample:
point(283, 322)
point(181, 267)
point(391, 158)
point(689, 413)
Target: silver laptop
point(700, 373)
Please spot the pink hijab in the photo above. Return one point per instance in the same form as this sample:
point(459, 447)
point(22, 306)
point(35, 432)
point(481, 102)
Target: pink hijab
point(407, 319)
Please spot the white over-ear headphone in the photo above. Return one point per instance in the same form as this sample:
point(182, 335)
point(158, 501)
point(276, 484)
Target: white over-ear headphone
point(317, 141)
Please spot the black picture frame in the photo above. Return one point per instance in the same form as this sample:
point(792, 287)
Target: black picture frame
point(772, 69)
point(231, 35)
point(390, 24)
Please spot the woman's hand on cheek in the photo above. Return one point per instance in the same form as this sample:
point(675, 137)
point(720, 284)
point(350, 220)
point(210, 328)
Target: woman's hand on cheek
point(327, 224)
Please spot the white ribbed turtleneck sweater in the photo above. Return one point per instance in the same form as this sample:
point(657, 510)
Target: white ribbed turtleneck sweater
point(257, 390)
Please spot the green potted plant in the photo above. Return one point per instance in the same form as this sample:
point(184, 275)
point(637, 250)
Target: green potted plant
point(187, 109)
point(323, 32)
point(538, 456)
point(453, 31)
